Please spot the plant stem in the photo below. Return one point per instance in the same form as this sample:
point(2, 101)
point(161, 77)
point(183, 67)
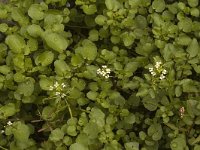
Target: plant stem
point(70, 111)
point(3, 148)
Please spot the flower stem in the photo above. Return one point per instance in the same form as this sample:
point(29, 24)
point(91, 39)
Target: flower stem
point(69, 108)
point(3, 148)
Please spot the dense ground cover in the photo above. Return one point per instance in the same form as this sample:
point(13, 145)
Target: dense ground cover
point(99, 75)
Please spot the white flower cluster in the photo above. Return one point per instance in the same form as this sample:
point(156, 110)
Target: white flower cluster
point(59, 89)
point(158, 70)
point(104, 71)
point(9, 123)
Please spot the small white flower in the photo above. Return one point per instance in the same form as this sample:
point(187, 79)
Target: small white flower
point(63, 95)
point(56, 84)
point(105, 71)
point(164, 71)
point(150, 69)
point(9, 123)
point(63, 85)
point(162, 77)
point(51, 88)
point(2, 131)
point(153, 73)
point(157, 65)
point(57, 93)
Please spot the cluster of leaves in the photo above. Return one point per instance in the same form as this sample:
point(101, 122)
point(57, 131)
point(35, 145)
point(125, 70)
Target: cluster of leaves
point(43, 42)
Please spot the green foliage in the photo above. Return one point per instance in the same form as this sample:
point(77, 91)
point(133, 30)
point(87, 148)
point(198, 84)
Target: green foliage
point(99, 75)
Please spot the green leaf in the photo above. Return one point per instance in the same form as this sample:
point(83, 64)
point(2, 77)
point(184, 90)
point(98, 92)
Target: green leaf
point(18, 16)
point(192, 108)
point(45, 58)
point(45, 83)
point(92, 95)
point(130, 68)
point(88, 51)
point(77, 60)
point(158, 5)
point(35, 12)
point(21, 131)
point(52, 19)
point(189, 86)
point(93, 35)
point(26, 88)
point(193, 3)
point(113, 5)
point(3, 27)
point(193, 48)
point(178, 143)
point(48, 113)
point(91, 130)
point(78, 146)
point(150, 103)
point(100, 20)
point(55, 41)
point(185, 25)
point(67, 140)
point(183, 40)
point(155, 131)
point(132, 146)
point(117, 98)
point(128, 38)
point(16, 43)
point(56, 135)
point(34, 30)
point(4, 69)
point(97, 116)
point(71, 130)
point(89, 9)
point(130, 119)
point(18, 60)
point(7, 110)
point(61, 68)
